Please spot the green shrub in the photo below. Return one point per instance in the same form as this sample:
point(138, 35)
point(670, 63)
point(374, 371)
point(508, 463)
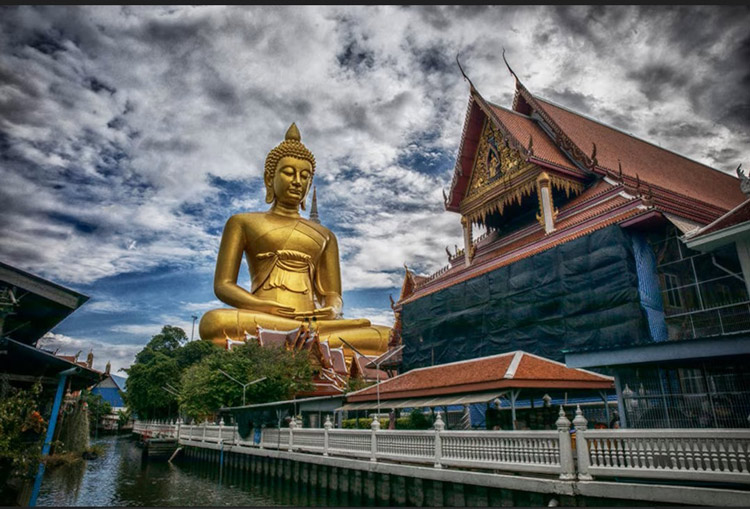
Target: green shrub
point(362, 423)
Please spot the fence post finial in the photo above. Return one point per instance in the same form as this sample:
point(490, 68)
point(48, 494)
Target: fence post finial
point(439, 424)
point(582, 447)
point(375, 427)
point(567, 467)
point(327, 429)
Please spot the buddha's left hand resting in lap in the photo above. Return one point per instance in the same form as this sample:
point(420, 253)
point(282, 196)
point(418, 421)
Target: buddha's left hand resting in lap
point(294, 264)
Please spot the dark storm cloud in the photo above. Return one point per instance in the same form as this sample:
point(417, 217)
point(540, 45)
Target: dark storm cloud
point(657, 80)
point(571, 99)
point(725, 159)
point(681, 130)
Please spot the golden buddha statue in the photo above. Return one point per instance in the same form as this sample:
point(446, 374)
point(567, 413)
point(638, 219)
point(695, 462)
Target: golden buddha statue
point(294, 265)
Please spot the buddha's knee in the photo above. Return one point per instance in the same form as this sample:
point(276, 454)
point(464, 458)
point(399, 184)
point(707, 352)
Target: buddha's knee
point(217, 324)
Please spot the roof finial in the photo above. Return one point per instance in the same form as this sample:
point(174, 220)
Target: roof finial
point(744, 181)
point(463, 73)
point(508, 65)
point(594, 162)
point(619, 169)
point(314, 208)
point(530, 148)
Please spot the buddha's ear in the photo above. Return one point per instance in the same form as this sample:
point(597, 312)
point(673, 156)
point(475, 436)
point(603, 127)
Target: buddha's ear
point(304, 196)
point(268, 181)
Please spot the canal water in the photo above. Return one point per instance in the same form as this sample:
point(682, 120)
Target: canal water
point(120, 478)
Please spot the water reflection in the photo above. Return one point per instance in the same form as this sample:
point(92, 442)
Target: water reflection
point(121, 478)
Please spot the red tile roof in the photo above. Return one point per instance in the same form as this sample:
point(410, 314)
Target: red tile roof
point(739, 214)
point(522, 127)
point(514, 369)
point(654, 165)
point(592, 210)
point(359, 368)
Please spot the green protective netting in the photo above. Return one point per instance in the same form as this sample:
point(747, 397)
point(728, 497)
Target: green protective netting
point(581, 295)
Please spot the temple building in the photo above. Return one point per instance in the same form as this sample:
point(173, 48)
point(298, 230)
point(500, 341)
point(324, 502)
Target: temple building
point(583, 249)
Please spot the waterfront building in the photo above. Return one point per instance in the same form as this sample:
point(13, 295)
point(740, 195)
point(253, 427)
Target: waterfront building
point(111, 389)
point(478, 386)
point(696, 375)
point(30, 307)
point(582, 250)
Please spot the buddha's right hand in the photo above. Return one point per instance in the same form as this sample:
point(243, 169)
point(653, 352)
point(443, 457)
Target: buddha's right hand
point(273, 308)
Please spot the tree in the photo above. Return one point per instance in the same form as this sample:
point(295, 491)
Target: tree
point(160, 364)
point(145, 393)
point(97, 408)
point(204, 389)
point(167, 342)
point(21, 430)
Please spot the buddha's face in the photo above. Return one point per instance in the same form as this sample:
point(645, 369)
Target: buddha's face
point(291, 180)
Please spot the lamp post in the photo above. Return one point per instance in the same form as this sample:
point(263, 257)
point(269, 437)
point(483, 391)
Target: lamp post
point(244, 386)
point(377, 372)
point(192, 334)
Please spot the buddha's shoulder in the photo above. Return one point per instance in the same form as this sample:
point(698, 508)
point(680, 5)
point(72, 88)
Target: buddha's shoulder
point(244, 218)
point(318, 228)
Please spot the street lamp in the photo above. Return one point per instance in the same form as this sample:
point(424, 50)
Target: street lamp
point(377, 372)
point(192, 334)
point(377, 365)
point(244, 386)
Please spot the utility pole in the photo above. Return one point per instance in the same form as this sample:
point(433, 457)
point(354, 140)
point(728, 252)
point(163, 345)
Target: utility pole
point(192, 334)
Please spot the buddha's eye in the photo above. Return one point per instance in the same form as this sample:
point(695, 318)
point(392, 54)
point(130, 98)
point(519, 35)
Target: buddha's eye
point(288, 170)
point(305, 175)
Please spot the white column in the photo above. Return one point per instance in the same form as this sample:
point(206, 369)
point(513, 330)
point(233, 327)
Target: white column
point(467, 240)
point(547, 217)
point(743, 253)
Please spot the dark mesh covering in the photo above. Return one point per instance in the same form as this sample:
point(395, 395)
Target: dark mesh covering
point(581, 295)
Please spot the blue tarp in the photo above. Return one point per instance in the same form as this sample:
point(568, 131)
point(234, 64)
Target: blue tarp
point(580, 295)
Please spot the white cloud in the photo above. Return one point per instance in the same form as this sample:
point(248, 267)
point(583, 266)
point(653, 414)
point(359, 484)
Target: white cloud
point(119, 355)
point(378, 316)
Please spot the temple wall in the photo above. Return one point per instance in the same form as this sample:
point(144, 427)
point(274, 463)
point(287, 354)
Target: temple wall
point(582, 294)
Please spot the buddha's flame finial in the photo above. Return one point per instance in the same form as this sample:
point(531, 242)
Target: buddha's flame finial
point(293, 133)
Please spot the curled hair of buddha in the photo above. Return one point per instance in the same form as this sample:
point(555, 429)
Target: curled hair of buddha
point(292, 146)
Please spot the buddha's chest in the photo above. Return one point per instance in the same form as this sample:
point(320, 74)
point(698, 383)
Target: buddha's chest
point(297, 237)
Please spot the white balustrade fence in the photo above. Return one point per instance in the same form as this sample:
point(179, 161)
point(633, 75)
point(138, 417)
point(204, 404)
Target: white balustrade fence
point(718, 455)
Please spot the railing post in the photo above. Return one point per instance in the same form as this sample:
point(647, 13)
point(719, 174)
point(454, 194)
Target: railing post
point(439, 427)
point(292, 426)
point(582, 448)
point(375, 427)
point(179, 427)
point(203, 438)
point(221, 430)
point(567, 468)
point(326, 428)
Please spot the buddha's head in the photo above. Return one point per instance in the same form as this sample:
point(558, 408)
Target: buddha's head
point(289, 170)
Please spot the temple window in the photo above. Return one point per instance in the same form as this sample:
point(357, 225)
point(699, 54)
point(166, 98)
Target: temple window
point(704, 294)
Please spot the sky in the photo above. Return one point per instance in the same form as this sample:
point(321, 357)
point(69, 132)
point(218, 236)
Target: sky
point(129, 135)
